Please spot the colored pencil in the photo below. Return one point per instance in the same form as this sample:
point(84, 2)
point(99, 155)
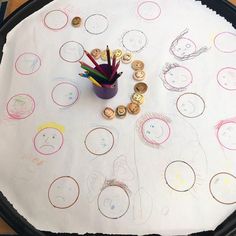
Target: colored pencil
point(94, 81)
point(108, 56)
point(98, 67)
point(114, 71)
point(94, 72)
point(116, 77)
point(113, 63)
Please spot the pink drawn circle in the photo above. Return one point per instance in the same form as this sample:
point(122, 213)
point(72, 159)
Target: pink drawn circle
point(222, 75)
point(155, 7)
point(50, 23)
point(67, 54)
point(17, 109)
point(184, 47)
point(188, 81)
point(46, 138)
point(225, 48)
point(63, 192)
point(225, 133)
point(62, 102)
point(151, 140)
point(22, 65)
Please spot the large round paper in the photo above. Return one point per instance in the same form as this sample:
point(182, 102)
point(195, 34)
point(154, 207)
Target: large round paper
point(66, 169)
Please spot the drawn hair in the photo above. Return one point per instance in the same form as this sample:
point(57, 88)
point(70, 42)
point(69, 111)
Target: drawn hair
point(185, 57)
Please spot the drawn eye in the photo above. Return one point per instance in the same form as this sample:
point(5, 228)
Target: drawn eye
point(188, 45)
point(44, 135)
point(53, 137)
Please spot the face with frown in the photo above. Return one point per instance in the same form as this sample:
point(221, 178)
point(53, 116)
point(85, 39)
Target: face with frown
point(48, 141)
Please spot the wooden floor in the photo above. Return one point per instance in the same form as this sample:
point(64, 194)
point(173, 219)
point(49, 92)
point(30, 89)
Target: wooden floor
point(12, 5)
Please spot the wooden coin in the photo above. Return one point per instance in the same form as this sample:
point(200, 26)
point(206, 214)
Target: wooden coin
point(127, 58)
point(104, 55)
point(140, 88)
point(137, 98)
point(121, 111)
point(76, 21)
point(108, 113)
point(96, 53)
point(139, 75)
point(137, 65)
point(133, 108)
point(118, 53)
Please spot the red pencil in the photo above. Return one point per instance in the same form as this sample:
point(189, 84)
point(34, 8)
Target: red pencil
point(113, 63)
point(114, 71)
point(95, 63)
point(108, 57)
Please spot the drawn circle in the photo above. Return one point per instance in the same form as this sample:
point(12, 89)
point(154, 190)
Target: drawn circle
point(113, 202)
point(180, 176)
point(149, 10)
point(226, 135)
point(223, 188)
point(225, 42)
point(226, 78)
point(99, 141)
point(134, 40)
point(63, 192)
point(184, 47)
point(27, 63)
point(178, 77)
point(155, 130)
point(20, 106)
point(71, 51)
point(48, 141)
point(65, 94)
point(56, 20)
point(190, 105)
point(96, 24)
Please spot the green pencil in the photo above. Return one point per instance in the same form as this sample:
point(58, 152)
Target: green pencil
point(95, 72)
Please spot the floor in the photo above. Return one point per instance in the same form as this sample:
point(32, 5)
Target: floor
point(11, 6)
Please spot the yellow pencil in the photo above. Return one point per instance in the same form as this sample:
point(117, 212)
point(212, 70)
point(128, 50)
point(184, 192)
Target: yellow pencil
point(94, 81)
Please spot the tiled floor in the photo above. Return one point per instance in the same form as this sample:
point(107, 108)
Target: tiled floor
point(11, 6)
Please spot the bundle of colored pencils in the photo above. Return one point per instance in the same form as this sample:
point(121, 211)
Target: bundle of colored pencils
point(103, 75)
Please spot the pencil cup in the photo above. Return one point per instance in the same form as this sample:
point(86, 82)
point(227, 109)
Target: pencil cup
point(108, 90)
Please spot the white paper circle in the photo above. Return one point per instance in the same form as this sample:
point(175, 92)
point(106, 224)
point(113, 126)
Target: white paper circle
point(149, 10)
point(113, 202)
point(65, 94)
point(99, 141)
point(96, 24)
point(56, 20)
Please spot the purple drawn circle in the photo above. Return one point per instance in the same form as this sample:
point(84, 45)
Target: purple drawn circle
point(19, 70)
point(66, 59)
point(57, 28)
point(211, 190)
point(221, 141)
point(148, 2)
point(220, 49)
point(62, 84)
point(150, 141)
point(48, 152)
point(184, 69)
point(19, 117)
point(221, 84)
point(73, 201)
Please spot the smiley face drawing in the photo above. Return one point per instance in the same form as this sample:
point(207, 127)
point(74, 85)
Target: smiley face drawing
point(184, 49)
point(49, 139)
point(65, 94)
point(190, 105)
point(176, 78)
point(134, 40)
point(226, 135)
point(226, 78)
point(223, 188)
point(113, 202)
point(154, 129)
point(63, 192)
point(20, 106)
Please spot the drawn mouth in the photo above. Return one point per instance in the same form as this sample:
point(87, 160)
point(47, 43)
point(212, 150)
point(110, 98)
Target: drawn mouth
point(46, 146)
